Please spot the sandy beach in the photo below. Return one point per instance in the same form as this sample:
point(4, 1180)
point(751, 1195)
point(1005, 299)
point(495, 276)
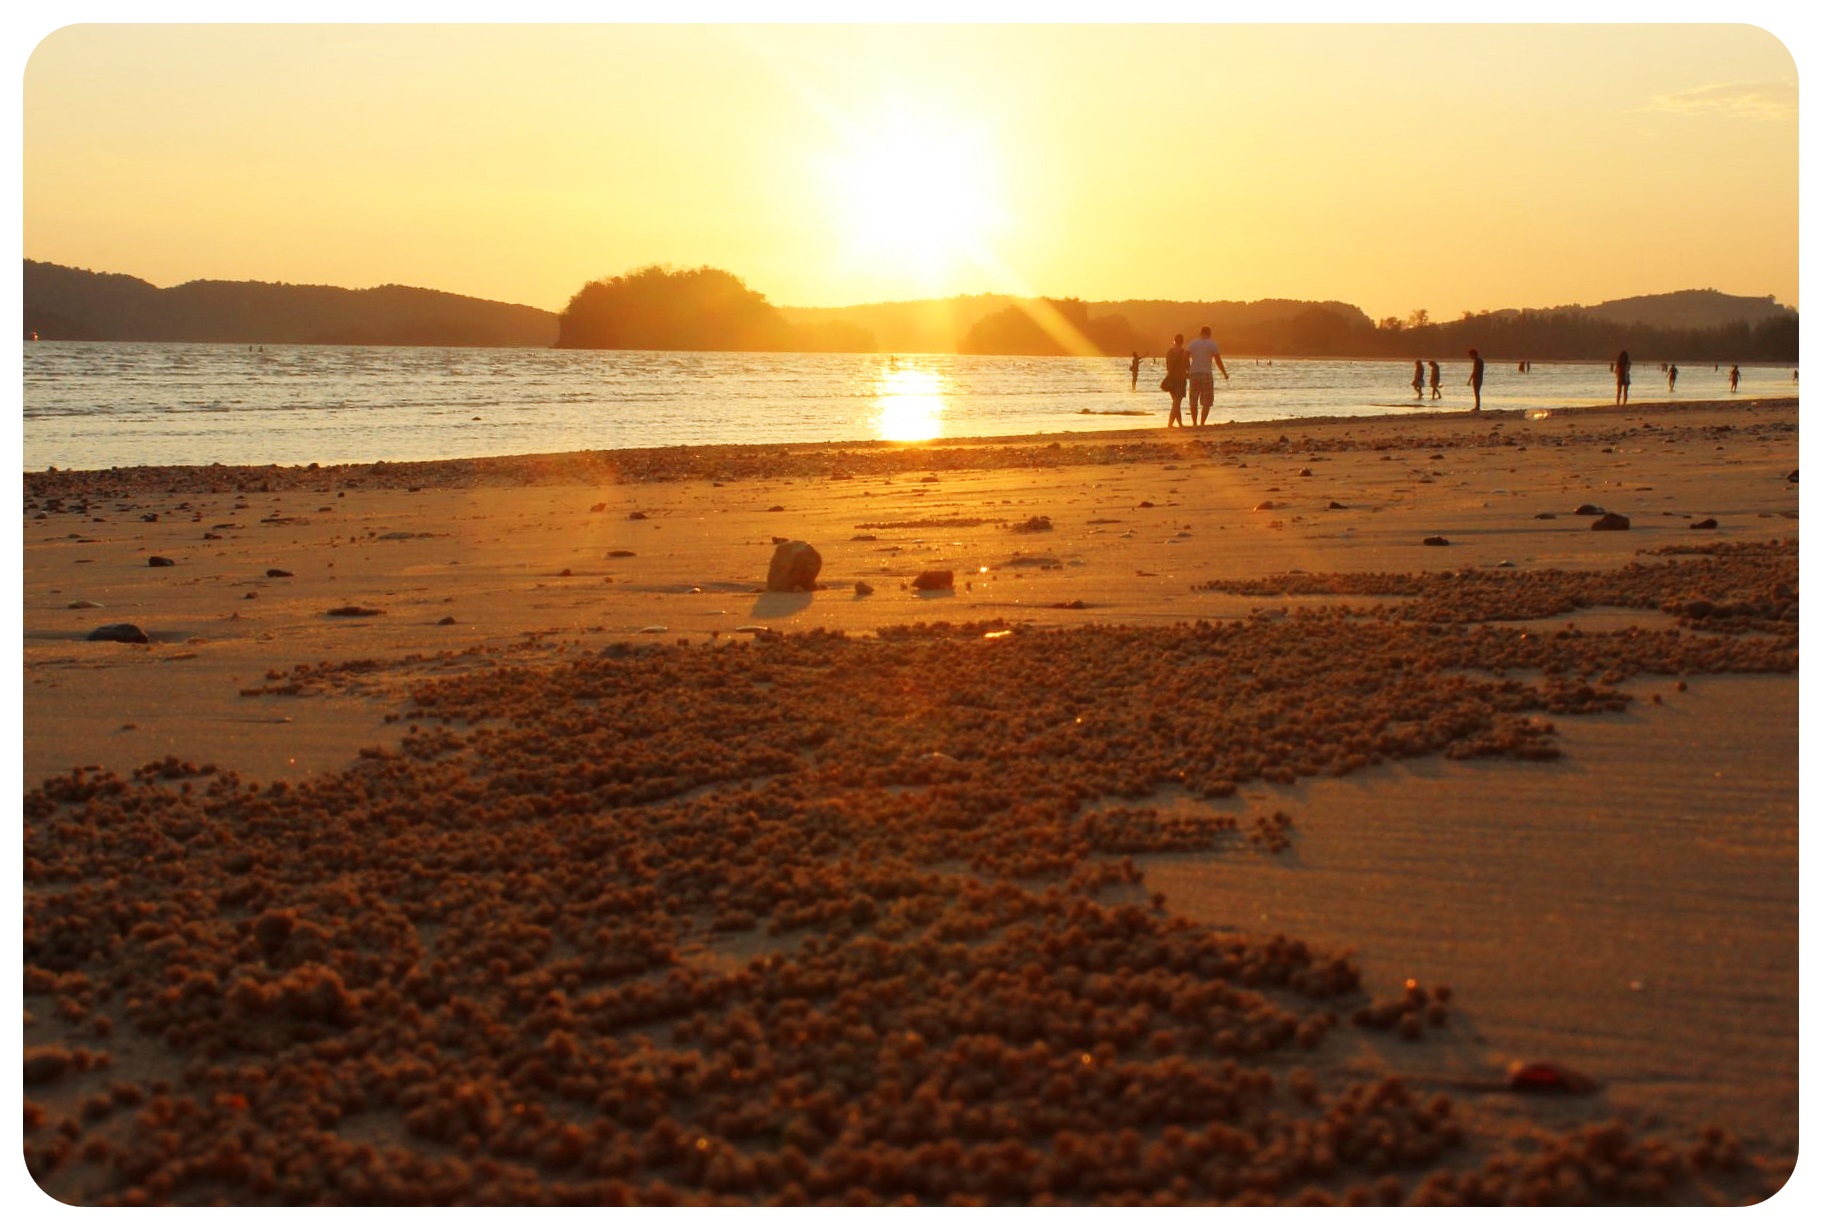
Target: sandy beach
point(1329, 811)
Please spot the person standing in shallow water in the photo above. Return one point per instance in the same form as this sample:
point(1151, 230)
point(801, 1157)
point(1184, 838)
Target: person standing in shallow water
point(1417, 377)
point(1435, 380)
point(1622, 378)
point(1135, 371)
point(1478, 374)
point(1176, 376)
point(1673, 377)
point(1202, 353)
point(1733, 379)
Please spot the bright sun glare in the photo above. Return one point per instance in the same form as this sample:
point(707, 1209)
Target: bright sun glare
point(908, 403)
point(916, 196)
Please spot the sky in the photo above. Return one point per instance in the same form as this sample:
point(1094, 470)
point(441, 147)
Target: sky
point(1448, 168)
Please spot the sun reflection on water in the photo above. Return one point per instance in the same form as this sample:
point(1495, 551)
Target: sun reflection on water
point(908, 403)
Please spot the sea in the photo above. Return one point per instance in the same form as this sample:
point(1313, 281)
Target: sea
point(94, 405)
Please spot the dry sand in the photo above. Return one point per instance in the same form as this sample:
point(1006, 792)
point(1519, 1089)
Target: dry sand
point(1628, 910)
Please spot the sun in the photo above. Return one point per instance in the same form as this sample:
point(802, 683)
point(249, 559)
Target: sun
point(915, 196)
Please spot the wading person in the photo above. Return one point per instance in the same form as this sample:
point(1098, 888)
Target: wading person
point(1176, 373)
point(1476, 376)
point(1622, 378)
point(1204, 357)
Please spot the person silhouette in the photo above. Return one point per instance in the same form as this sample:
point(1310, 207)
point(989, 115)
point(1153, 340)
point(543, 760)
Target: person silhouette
point(1733, 379)
point(1135, 371)
point(1176, 377)
point(1622, 378)
point(1673, 377)
point(1476, 376)
point(1435, 380)
point(1417, 377)
point(1204, 357)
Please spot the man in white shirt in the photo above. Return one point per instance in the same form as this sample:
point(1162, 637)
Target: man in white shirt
point(1204, 356)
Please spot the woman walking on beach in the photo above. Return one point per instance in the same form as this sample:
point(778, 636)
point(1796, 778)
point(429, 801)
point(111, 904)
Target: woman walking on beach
point(1733, 379)
point(1622, 378)
point(1478, 374)
point(1176, 379)
point(1673, 377)
point(1435, 380)
point(1417, 378)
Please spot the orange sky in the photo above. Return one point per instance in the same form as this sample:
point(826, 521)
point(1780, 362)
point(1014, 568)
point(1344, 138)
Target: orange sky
point(1450, 168)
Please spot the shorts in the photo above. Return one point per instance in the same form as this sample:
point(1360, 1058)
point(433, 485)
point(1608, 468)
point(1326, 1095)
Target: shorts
point(1202, 388)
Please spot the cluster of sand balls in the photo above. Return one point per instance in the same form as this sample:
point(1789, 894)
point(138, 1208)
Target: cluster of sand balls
point(811, 918)
point(1749, 586)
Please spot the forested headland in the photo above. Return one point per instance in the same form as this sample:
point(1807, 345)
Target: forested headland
point(660, 308)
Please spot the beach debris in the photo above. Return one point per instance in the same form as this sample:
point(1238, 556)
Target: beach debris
point(277, 572)
point(346, 612)
point(566, 573)
point(864, 538)
point(862, 589)
point(1548, 1078)
point(1706, 523)
point(653, 630)
point(131, 634)
point(753, 628)
point(1505, 563)
point(1305, 473)
point(778, 538)
point(1791, 477)
point(1033, 525)
point(1075, 604)
point(597, 508)
point(1611, 521)
point(446, 621)
point(635, 515)
point(1264, 506)
point(1146, 504)
point(1436, 540)
point(1544, 517)
point(161, 561)
point(621, 553)
point(934, 578)
point(794, 567)
point(83, 604)
point(776, 508)
point(1588, 510)
point(1336, 505)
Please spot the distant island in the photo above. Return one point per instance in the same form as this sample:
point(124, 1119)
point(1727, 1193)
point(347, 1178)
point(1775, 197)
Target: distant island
point(711, 309)
point(64, 304)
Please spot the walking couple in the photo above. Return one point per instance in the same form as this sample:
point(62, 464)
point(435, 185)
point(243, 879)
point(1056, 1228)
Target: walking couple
point(1195, 366)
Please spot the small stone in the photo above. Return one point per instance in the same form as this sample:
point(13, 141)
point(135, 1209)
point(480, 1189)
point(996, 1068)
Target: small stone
point(1791, 477)
point(1706, 523)
point(862, 589)
point(131, 634)
point(597, 508)
point(635, 515)
point(934, 578)
point(353, 611)
point(1335, 505)
point(446, 621)
point(1544, 517)
point(83, 604)
point(161, 561)
point(1611, 521)
point(794, 567)
point(1264, 506)
point(1588, 510)
point(1436, 540)
point(277, 572)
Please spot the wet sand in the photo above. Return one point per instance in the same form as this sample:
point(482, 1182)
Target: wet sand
point(1551, 768)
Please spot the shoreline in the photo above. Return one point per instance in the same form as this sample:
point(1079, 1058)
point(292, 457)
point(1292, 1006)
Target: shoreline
point(408, 723)
point(670, 463)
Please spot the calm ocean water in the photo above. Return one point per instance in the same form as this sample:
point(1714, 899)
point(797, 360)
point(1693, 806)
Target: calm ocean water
point(90, 405)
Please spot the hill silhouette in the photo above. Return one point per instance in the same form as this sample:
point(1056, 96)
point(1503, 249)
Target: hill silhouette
point(658, 308)
point(65, 304)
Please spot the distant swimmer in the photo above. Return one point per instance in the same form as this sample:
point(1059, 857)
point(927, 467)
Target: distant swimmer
point(1475, 376)
point(1202, 353)
point(1135, 371)
point(1417, 378)
point(1673, 377)
point(1733, 379)
point(1622, 378)
point(1435, 380)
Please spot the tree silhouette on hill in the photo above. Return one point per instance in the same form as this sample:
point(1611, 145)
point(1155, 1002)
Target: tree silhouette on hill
point(657, 308)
